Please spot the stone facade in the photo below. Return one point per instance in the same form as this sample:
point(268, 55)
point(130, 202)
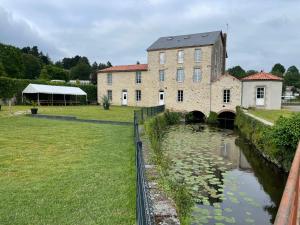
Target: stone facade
point(205, 94)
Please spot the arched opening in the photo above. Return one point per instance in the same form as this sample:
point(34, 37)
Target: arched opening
point(226, 119)
point(195, 117)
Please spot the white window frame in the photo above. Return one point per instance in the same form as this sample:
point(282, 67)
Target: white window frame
point(109, 95)
point(138, 77)
point(180, 56)
point(180, 96)
point(226, 96)
point(180, 75)
point(138, 95)
point(109, 79)
point(162, 58)
point(161, 75)
point(197, 57)
point(197, 77)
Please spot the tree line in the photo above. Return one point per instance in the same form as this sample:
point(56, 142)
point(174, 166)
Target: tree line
point(30, 63)
point(291, 76)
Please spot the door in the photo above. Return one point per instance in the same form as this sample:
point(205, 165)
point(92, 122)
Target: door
point(161, 98)
point(124, 98)
point(260, 96)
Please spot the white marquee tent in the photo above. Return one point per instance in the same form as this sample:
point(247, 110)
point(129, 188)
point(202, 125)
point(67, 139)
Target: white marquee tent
point(53, 90)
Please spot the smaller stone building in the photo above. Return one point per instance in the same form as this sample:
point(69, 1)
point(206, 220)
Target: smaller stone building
point(262, 90)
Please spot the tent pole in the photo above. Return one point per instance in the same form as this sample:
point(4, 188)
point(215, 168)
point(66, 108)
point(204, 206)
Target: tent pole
point(38, 98)
point(76, 99)
point(22, 98)
point(86, 99)
point(65, 99)
point(52, 99)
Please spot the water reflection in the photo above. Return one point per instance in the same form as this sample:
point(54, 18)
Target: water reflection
point(229, 181)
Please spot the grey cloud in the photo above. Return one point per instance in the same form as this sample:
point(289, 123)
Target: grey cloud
point(261, 33)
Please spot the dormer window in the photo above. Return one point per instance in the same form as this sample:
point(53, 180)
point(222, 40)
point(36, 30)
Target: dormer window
point(180, 56)
point(162, 58)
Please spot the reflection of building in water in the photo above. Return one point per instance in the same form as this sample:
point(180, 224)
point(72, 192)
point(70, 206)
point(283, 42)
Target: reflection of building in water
point(231, 152)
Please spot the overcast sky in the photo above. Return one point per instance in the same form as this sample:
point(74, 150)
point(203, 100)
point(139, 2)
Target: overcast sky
point(260, 32)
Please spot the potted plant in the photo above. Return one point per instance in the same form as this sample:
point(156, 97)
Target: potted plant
point(105, 102)
point(34, 108)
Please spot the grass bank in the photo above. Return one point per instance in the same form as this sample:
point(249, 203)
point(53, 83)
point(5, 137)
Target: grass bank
point(271, 115)
point(56, 172)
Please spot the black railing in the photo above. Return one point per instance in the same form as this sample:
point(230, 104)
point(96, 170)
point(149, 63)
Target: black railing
point(144, 207)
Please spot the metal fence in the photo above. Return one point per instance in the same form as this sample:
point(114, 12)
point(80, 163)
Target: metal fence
point(144, 209)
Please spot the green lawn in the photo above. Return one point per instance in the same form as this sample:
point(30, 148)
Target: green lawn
point(271, 115)
point(59, 172)
point(116, 113)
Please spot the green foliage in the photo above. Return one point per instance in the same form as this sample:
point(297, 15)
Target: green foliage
point(172, 117)
point(251, 72)
point(292, 77)
point(81, 71)
point(278, 70)
point(11, 58)
point(14, 87)
point(105, 102)
point(277, 143)
point(44, 74)
point(212, 118)
point(286, 135)
point(56, 73)
point(2, 70)
point(32, 66)
point(237, 71)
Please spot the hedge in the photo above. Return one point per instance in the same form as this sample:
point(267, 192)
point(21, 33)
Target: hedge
point(276, 143)
point(16, 86)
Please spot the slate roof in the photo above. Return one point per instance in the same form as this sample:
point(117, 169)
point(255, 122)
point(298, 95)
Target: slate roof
point(125, 68)
point(262, 76)
point(190, 40)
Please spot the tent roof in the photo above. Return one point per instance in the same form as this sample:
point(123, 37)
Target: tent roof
point(51, 89)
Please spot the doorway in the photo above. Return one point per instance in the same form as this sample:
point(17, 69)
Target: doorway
point(124, 98)
point(260, 96)
point(161, 98)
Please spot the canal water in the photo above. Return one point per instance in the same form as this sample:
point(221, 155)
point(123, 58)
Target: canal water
point(229, 181)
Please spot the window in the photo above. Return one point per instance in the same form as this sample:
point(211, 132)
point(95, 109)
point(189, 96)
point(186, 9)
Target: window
point(226, 96)
point(180, 75)
point(197, 75)
point(109, 95)
point(260, 92)
point(180, 56)
point(138, 95)
point(162, 58)
point(180, 96)
point(197, 55)
point(138, 77)
point(109, 78)
point(161, 75)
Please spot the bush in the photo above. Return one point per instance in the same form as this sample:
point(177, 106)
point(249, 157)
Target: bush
point(172, 117)
point(212, 118)
point(105, 102)
point(286, 134)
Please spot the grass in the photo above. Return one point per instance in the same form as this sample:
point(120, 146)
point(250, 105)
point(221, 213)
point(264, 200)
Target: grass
point(116, 113)
point(271, 115)
point(59, 172)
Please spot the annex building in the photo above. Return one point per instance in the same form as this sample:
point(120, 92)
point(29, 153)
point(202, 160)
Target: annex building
point(187, 73)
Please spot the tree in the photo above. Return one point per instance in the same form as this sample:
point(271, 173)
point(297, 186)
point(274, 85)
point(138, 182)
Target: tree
point(94, 70)
point(81, 71)
point(251, 72)
point(11, 59)
point(44, 74)
point(278, 70)
point(292, 77)
point(2, 70)
point(108, 64)
point(32, 66)
point(237, 72)
point(56, 73)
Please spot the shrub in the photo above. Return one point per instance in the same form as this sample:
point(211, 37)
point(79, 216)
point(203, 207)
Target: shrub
point(212, 118)
point(285, 134)
point(105, 102)
point(172, 117)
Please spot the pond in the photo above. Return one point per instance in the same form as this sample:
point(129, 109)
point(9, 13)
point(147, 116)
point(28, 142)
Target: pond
point(229, 181)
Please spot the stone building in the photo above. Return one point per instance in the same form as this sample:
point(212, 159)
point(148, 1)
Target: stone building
point(184, 73)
